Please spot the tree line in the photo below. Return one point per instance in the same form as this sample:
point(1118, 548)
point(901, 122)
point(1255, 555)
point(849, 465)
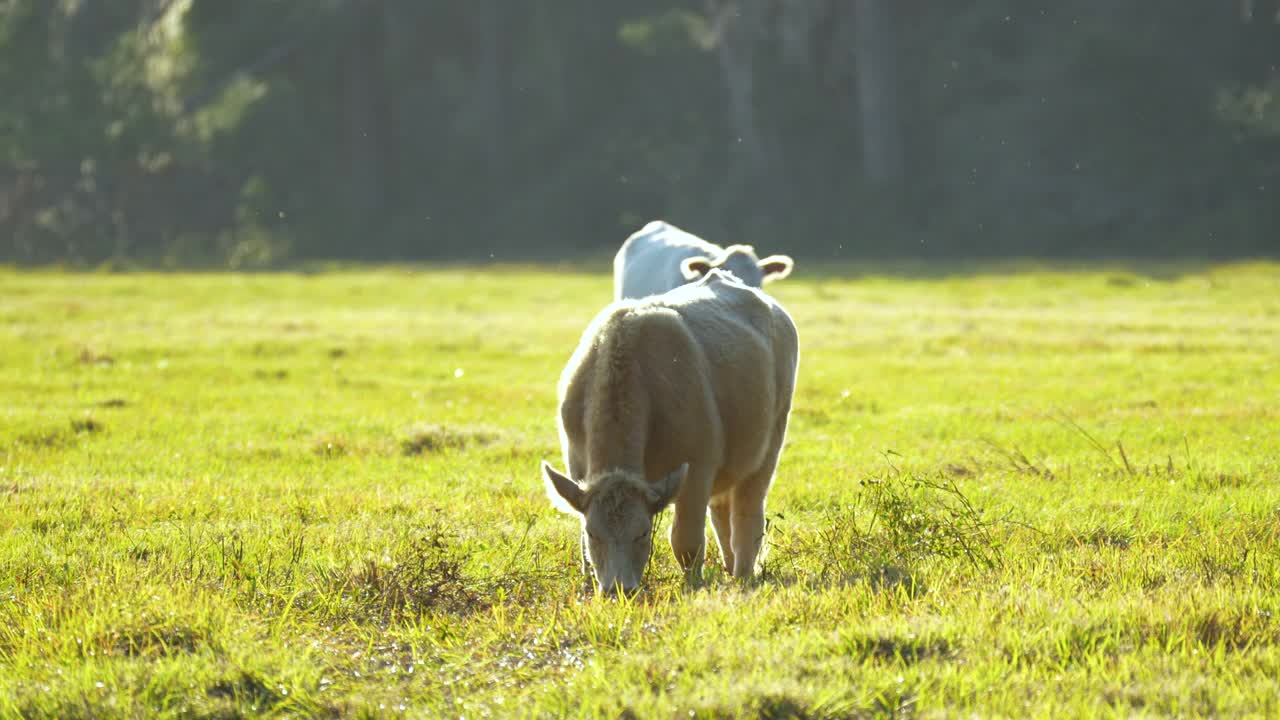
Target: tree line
point(251, 132)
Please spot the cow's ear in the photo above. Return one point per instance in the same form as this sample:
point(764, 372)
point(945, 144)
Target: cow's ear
point(664, 491)
point(776, 267)
point(695, 267)
point(565, 494)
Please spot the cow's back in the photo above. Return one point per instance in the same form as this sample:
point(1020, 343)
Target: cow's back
point(748, 350)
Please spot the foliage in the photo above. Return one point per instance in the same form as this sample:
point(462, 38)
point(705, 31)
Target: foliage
point(245, 495)
point(895, 528)
point(247, 133)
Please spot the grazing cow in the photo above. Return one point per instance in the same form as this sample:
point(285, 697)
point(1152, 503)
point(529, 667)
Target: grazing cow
point(680, 397)
point(661, 256)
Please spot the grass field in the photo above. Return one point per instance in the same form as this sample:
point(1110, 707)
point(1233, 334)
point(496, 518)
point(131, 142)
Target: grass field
point(1012, 491)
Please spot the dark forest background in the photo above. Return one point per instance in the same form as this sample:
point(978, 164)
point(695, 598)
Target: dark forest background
point(247, 133)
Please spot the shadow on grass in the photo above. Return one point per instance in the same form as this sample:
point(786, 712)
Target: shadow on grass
point(888, 702)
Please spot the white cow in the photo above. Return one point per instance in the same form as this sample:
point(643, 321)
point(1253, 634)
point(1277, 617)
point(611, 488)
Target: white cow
point(661, 256)
point(680, 397)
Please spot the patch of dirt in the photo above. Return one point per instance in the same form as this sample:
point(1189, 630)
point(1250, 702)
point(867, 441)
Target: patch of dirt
point(52, 438)
point(908, 649)
point(246, 687)
point(86, 424)
point(271, 374)
point(89, 356)
point(152, 641)
point(425, 576)
point(330, 446)
point(430, 438)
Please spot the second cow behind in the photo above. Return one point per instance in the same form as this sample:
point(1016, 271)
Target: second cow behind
point(660, 257)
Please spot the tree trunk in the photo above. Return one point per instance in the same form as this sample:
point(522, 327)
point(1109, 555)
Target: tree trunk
point(88, 31)
point(738, 25)
point(796, 21)
point(735, 51)
point(876, 70)
point(367, 113)
point(492, 82)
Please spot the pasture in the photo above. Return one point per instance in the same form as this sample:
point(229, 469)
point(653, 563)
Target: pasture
point(1007, 491)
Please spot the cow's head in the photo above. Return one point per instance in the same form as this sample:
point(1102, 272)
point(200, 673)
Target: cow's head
point(740, 260)
point(617, 512)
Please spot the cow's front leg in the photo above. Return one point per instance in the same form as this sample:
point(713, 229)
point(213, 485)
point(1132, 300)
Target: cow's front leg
point(689, 526)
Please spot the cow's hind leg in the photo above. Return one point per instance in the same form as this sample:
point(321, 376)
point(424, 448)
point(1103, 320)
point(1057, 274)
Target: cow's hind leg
point(748, 525)
point(721, 509)
point(747, 508)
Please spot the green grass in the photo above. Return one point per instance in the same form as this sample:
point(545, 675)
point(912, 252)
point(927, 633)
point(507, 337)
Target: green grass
point(1016, 491)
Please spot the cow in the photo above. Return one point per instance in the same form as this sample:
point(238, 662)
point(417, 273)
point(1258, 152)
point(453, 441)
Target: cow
point(678, 398)
point(660, 257)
